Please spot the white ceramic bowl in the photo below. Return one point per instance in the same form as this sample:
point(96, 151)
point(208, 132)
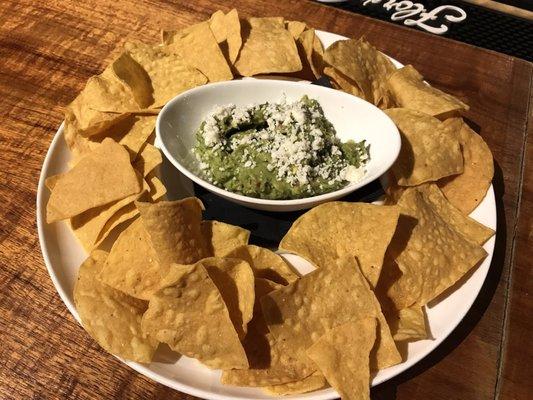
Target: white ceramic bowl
point(352, 117)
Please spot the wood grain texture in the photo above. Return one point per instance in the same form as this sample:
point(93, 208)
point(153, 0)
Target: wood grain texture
point(49, 49)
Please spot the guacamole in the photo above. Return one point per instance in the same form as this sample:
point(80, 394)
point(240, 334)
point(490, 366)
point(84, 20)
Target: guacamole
point(284, 150)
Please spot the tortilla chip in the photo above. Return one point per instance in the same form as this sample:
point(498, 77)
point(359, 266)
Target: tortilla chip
point(222, 238)
point(169, 73)
point(227, 31)
point(428, 153)
point(112, 318)
point(312, 382)
point(148, 160)
point(365, 65)
point(430, 253)
point(344, 83)
point(467, 190)
point(269, 364)
point(132, 265)
point(466, 226)
point(102, 177)
point(88, 226)
point(296, 28)
point(342, 355)
point(174, 229)
point(265, 263)
point(409, 90)
point(132, 74)
point(235, 281)
point(81, 120)
point(357, 229)
point(157, 189)
point(199, 49)
point(189, 314)
point(300, 313)
point(310, 46)
point(267, 48)
point(408, 324)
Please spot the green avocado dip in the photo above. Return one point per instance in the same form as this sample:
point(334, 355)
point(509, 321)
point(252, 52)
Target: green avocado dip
point(284, 150)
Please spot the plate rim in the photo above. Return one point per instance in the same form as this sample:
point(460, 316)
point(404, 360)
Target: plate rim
point(326, 394)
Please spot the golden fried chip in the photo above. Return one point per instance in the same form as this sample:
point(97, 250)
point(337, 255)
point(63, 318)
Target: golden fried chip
point(365, 65)
point(344, 83)
point(222, 238)
point(169, 73)
point(189, 314)
point(300, 313)
point(296, 28)
point(269, 364)
point(235, 281)
point(409, 90)
point(267, 48)
point(313, 51)
point(81, 120)
point(148, 159)
point(227, 31)
point(88, 226)
point(312, 382)
point(132, 265)
point(431, 254)
point(428, 152)
point(132, 74)
point(174, 229)
point(101, 177)
point(336, 229)
point(466, 226)
point(408, 324)
point(265, 263)
point(342, 355)
point(199, 49)
point(111, 317)
point(467, 190)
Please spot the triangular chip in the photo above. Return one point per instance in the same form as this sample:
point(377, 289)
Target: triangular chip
point(227, 31)
point(101, 177)
point(365, 65)
point(342, 355)
point(132, 265)
point(428, 152)
point(409, 90)
point(168, 72)
point(313, 51)
point(222, 238)
point(174, 229)
point(265, 263)
point(465, 191)
point(358, 229)
point(131, 73)
point(88, 226)
point(148, 159)
point(199, 49)
point(189, 314)
point(269, 362)
point(111, 317)
point(235, 281)
point(296, 28)
point(430, 253)
point(267, 48)
point(466, 226)
point(300, 313)
point(408, 324)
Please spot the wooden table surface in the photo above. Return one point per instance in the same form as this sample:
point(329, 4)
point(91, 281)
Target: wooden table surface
point(48, 49)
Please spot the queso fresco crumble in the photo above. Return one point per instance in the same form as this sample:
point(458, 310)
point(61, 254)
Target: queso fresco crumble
point(283, 150)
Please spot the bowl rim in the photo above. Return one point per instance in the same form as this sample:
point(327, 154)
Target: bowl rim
point(396, 142)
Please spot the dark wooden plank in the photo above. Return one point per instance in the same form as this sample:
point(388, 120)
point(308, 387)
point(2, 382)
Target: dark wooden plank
point(48, 51)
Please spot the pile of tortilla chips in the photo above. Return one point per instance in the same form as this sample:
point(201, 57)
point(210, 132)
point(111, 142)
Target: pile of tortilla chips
point(168, 277)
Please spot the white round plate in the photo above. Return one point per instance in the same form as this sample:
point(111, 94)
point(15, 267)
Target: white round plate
point(63, 255)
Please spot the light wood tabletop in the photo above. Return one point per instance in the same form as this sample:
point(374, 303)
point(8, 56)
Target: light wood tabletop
point(48, 49)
